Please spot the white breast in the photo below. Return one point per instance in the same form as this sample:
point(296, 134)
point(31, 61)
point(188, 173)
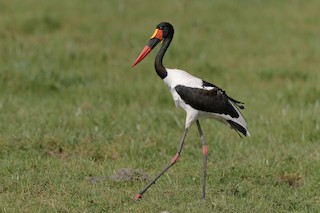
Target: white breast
point(179, 77)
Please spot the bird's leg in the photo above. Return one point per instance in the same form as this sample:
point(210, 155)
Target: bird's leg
point(205, 155)
point(173, 161)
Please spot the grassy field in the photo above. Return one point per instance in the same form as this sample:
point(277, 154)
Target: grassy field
point(73, 113)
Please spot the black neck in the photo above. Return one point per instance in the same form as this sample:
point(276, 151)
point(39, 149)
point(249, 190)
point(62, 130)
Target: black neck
point(160, 69)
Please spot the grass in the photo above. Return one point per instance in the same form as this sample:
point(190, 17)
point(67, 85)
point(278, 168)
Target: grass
point(73, 113)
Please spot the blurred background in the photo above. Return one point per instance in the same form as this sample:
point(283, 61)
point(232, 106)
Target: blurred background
point(71, 106)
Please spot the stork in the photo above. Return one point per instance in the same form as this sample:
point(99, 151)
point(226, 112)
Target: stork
point(197, 97)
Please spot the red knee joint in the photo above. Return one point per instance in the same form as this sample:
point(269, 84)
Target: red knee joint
point(175, 158)
point(205, 150)
point(138, 196)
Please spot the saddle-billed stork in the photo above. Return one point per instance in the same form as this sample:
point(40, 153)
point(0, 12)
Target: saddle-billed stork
point(197, 97)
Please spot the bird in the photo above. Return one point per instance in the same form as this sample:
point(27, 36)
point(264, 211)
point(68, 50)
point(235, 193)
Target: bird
point(197, 97)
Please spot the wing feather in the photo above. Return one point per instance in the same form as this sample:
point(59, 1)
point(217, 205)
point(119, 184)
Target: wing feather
point(213, 100)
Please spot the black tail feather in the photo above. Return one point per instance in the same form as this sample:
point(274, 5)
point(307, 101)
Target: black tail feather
point(237, 103)
point(237, 127)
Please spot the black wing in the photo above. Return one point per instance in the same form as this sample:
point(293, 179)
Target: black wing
point(208, 84)
point(214, 100)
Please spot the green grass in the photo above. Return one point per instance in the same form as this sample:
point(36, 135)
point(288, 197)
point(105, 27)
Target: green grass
point(73, 113)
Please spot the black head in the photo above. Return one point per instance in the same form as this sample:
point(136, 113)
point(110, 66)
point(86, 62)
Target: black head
point(167, 29)
point(162, 32)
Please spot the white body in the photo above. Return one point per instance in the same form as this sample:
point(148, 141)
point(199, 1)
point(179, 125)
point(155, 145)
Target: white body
point(177, 77)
